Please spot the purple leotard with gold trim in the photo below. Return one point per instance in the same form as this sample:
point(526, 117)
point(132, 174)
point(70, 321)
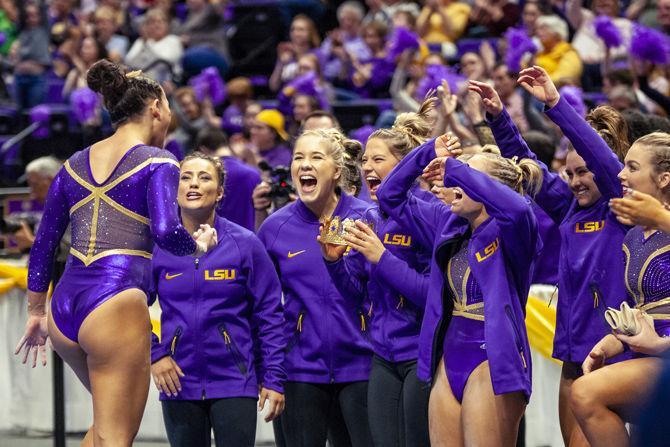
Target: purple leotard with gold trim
point(465, 342)
point(648, 275)
point(114, 226)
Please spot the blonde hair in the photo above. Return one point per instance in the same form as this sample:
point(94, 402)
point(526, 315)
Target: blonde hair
point(409, 130)
point(346, 153)
point(523, 176)
point(658, 144)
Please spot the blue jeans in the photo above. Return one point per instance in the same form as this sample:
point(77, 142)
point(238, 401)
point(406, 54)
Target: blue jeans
point(30, 90)
point(188, 423)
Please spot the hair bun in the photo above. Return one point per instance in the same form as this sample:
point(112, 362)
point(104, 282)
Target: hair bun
point(108, 79)
point(353, 150)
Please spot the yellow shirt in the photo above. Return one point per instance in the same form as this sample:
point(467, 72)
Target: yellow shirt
point(457, 12)
point(562, 63)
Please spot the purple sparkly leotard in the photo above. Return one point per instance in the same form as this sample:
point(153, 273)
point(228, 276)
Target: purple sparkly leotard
point(464, 343)
point(648, 275)
point(114, 226)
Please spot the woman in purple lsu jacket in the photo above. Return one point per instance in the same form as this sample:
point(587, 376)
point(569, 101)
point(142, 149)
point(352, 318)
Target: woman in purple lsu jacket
point(221, 324)
point(119, 197)
point(389, 269)
point(328, 353)
point(483, 250)
point(589, 274)
point(607, 397)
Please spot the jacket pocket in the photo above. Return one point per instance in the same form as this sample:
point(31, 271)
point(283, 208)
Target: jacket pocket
point(238, 358)
point(296, 332)
point(517, 335)
point(175, 340)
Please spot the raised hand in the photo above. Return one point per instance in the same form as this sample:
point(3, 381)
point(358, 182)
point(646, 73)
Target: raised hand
point(537, 82)
point(434, 172)
point(449, 101)
point(205, 238)
point(492, 103)
point(638, 208)
point(448, 145)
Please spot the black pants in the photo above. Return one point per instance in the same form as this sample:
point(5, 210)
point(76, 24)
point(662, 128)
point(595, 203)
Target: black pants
point(310, 410)
point(397, 405)
point(189, 423)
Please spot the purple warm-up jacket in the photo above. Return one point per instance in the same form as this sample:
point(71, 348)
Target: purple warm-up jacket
point(501, 252)
point(222, 319)
point(591, 261)
point(328, 336)
point(395, 287)
point(237, 204)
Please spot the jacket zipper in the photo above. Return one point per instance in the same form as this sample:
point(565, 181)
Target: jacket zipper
point(230, 345)
point(517, 336)
point(175, 340)
point(196, 294)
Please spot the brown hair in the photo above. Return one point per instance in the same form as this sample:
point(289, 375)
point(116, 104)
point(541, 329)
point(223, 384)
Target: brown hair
point(314, 38)
point(409, 130)
point(612, 127)
point(124, 94)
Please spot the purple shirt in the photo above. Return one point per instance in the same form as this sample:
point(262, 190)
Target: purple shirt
point(237, 204)
point(278, 156)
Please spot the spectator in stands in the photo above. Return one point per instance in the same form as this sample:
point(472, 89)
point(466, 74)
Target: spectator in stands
point(106, 28)
point(204, 37)
point(61, 17)
point(268, 135)
point(443, 21)
point(9, 17)
point(304, 39)
point(240, 143)
point(532, 10)
point(39, 175)
point(622, 98)
point(156, 52)
point(303, 105)
point(474, 67)
point(190, 117)
point(492, 17)
point(505, 84)
point(371, 77)
point(590, 47)
point(345, 41)
point(88, 53)
point(320, 119)
point(557, 57)
point(646, 12)
point(240, 93)
point(663, 16)
point(31, 55)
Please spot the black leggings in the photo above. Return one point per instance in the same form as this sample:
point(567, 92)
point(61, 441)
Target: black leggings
point(397, 405)
point(308, 419)
point(189, 423)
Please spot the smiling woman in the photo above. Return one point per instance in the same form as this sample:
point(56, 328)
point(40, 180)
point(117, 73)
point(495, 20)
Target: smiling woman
point(238, 297)
point(328, 353)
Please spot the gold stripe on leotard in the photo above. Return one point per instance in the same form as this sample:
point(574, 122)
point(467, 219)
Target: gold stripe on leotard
point(99, 193)
point(651, 257)
point(471, 311)
point(627, 263)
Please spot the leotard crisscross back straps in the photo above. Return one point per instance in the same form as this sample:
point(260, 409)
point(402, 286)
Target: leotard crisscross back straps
point(114, 225)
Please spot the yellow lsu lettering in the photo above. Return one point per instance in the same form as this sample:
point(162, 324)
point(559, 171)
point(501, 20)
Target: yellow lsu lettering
point(398, 239)
point(219, 275)
point(589, 227)
point(488, 251)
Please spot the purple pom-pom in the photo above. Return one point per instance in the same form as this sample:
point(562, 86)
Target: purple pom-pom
point(401, 40)
point(362, 133)
point(84, 103)
point(651, 45)
point(433, 79)
point(208, 84)
point(40, 114)
point(575, 97)
point(608, 31)
point(3, 38)
point(518, 44)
